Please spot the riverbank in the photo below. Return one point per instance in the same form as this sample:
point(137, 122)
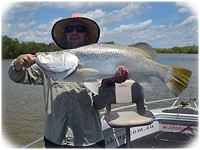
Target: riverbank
point(176, 49)
point(12, 48)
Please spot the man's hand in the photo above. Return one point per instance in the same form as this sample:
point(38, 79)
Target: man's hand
point(25, 60)
point(121, 75)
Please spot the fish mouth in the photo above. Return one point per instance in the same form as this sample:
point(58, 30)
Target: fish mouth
point(40, 54)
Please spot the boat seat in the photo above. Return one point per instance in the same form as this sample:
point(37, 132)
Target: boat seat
point(128, 92)
point(128, 119)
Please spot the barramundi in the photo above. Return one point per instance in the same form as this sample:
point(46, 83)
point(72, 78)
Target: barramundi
point(100, 61)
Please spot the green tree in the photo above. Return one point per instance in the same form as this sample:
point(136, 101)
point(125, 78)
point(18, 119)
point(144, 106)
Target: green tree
point(12, 48)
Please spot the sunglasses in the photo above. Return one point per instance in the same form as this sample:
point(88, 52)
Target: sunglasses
point(79, 28)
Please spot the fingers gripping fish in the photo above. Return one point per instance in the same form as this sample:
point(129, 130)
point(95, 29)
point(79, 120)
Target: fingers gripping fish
point(100, 61)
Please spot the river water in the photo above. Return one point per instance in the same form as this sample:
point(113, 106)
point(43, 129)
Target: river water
point(23, 110)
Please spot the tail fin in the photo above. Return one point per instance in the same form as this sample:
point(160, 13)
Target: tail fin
point(179, 81)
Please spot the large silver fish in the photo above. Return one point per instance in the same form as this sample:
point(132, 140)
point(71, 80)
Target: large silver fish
point(100, 61)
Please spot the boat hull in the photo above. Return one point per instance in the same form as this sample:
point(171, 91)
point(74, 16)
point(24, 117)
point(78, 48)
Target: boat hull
point(166, 122)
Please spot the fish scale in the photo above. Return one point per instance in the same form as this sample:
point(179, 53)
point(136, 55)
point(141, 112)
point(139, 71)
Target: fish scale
point(100, 61)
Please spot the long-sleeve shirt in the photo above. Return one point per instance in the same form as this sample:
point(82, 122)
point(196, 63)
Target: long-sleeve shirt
point(72, 111)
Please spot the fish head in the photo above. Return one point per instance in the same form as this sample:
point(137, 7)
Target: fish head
point(58, 64)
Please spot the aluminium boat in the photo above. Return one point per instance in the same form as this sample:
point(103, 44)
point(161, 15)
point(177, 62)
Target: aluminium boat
point(175, 126)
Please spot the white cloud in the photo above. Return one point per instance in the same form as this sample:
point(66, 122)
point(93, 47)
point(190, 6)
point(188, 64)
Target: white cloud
point(188, 21)
point(22, 31)
point(145, 24)
point(96, 15)
point(26, 32)
point(128, 10)
point(182, 10)
point(8, 17)
point(8, 29)
point(113, 23)
point(132, 27)
point(48, 27)
point(181, 4)
point(24, 26)
point(105, 19)
point(43, 31)
point(69, 5)
point(86, 5)
point(26, 36)
point(125, 34)
point(183, 34)
point(118, 15)
point(25, 6)
point(30, 16)
point(186, 7)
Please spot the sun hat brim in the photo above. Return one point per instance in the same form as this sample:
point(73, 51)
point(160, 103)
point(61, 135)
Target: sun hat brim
point(58, 33)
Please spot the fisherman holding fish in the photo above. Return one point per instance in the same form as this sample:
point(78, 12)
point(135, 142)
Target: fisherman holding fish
point(72, 110)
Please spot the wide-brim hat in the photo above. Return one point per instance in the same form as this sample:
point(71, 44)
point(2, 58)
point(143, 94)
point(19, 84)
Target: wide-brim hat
point(58, 29)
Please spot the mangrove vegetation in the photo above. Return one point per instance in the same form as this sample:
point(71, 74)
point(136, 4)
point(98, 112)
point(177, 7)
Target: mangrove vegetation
point(12, 48)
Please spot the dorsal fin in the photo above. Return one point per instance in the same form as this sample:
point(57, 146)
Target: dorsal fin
point(148, 49)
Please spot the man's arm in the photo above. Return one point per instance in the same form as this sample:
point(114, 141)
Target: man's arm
point(107, 88)
point(121, 75)
point(25, 61)
point(23, 70)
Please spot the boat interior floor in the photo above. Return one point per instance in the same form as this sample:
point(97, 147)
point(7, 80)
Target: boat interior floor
point(162, 139)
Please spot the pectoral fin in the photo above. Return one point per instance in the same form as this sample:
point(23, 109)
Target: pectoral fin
point(88, 71)
point(93, 86)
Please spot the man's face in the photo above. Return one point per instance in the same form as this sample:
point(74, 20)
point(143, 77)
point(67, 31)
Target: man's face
point(76, 39)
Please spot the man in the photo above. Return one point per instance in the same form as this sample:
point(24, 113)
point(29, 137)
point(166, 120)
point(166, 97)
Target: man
point(72, 111)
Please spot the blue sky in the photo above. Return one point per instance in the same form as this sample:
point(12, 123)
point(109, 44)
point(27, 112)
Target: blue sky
point(161, 24)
